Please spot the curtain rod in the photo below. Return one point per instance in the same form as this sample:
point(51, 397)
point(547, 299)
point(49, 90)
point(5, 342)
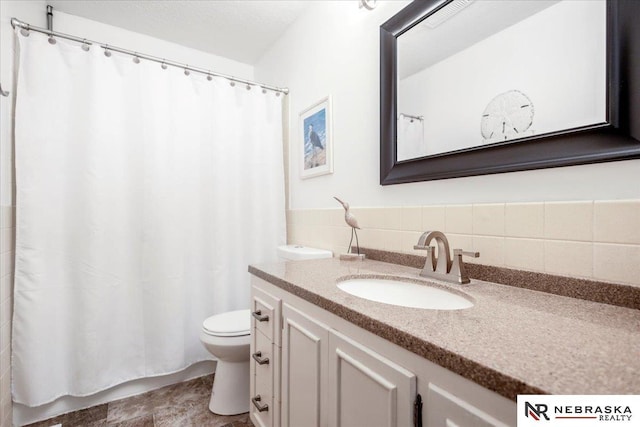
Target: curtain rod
point(421, 118)
point(17, 23)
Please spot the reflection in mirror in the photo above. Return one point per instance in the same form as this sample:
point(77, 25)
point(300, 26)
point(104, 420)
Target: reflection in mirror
point(483, 72)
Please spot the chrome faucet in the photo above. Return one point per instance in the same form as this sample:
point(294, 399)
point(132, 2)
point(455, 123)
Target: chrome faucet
point(443, 267)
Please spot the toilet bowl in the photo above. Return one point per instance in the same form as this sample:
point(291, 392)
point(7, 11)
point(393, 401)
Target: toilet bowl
point(227, 337)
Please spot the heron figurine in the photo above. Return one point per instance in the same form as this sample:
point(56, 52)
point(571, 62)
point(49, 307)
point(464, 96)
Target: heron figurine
point(352, 222)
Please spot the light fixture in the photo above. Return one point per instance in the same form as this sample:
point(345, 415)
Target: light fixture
point(368, 4)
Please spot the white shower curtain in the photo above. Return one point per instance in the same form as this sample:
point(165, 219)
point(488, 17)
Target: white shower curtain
point(142, 196)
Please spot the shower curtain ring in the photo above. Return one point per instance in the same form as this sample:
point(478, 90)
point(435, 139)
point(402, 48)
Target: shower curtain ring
point(85, 45)
point(25, 31)
point(163, 64)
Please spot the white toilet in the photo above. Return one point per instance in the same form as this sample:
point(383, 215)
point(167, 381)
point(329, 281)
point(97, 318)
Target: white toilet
point(227, 336)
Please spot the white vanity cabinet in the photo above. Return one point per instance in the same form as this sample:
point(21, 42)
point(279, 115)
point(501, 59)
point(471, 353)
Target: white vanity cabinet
point(326, 372)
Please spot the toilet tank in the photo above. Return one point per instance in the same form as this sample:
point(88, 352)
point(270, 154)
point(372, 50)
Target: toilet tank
point(298, 253)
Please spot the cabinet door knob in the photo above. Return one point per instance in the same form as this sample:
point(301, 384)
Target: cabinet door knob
point(259, 407)
point(257, 356)
point(260, 317)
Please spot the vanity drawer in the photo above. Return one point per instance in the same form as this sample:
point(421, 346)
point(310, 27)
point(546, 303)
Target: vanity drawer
point(262, 355)
point(262, 394)
point(265, 314)
point(262, 403)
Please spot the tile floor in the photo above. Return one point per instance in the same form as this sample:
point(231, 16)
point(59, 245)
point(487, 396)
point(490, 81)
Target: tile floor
point(178, 405)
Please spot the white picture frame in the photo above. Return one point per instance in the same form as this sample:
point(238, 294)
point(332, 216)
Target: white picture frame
point(315, 139)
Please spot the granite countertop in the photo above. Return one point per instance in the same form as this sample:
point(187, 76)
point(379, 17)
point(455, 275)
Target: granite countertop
point(512, 341)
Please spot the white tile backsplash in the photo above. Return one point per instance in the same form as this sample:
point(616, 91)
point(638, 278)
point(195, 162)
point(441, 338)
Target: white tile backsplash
point(568, 221)
point(488, 220)
point(459, 219)
point(491, 250)
point(617, 221)
point(433, 218)
point(568, 258)
point(524, 254)
point(524, 220)
point(617, 263)
point(562, 238)
point(411, 218)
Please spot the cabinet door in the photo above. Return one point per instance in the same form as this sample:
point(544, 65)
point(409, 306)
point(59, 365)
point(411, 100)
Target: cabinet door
point(443, 409)
point(304, 370)
point(366, 389)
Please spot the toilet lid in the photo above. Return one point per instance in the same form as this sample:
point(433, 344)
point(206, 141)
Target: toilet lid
point(229, 324)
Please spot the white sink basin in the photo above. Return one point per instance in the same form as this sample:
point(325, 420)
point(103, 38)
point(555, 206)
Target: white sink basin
point(405, 294)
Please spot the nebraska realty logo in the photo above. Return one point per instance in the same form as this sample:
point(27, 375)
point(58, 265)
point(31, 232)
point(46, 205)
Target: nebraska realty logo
point(578, 410)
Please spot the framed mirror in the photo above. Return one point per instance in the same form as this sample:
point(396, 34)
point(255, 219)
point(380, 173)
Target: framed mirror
point(471, 87)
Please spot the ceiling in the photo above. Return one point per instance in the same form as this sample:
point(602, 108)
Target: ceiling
point(241, 30)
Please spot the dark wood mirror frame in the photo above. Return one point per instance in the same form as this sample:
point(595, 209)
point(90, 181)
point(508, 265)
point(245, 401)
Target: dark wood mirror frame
point(618, 139)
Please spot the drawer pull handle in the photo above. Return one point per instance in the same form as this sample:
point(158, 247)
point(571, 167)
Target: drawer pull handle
point(257, 356)
point(259, 316)
point(259, 407)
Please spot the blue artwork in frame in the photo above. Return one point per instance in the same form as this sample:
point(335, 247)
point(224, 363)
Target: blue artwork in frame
point(316, 143)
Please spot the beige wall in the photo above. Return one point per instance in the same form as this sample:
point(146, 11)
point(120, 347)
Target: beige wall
point(595, 240)
point(333, 49)
point(7, 244)
point(571, 221)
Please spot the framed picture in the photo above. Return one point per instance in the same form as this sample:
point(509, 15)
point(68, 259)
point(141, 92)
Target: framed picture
point(316, 142)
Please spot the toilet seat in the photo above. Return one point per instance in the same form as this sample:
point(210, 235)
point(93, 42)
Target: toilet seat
point(231, 324)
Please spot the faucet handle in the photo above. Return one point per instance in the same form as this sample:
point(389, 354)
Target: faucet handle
point(465, 253)
point(430, 261)
point(457, 266)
